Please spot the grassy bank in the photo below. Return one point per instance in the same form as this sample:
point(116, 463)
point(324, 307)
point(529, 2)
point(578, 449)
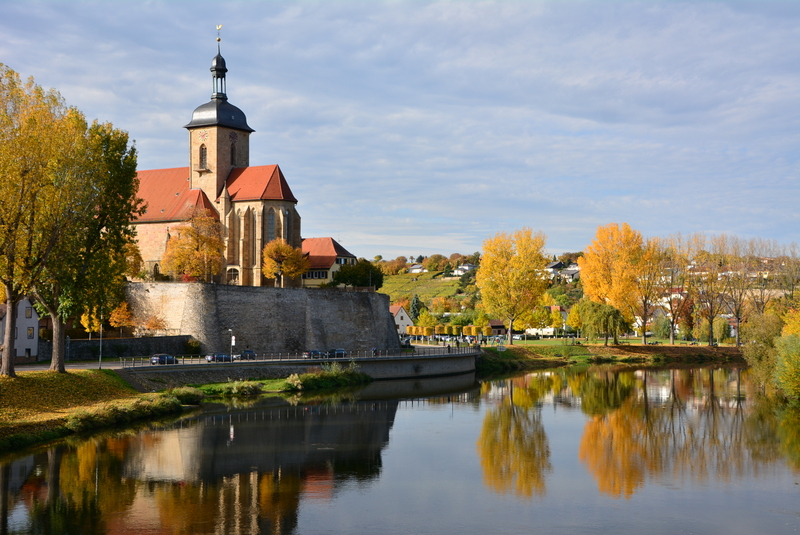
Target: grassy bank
point(40, 406)
point(522, 357)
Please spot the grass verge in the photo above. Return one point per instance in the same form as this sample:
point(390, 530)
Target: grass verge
point(522, 357)
point(37, 407)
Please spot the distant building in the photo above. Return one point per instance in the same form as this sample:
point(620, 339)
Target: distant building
point(463, 268)
point(326, 256)
point(26, 331)
point(401, 318)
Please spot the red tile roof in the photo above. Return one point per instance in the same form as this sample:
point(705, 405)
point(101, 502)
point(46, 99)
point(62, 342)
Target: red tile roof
point(168, 197)
point(322, 252)
point(264, 182)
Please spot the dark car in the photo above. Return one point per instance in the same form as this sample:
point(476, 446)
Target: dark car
point(247, 354)
point(337, 354)
point(162, 358)
point(219, 357)
point(314, 354)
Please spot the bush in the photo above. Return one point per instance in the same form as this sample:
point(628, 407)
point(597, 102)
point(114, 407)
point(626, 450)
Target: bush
point(788, 368)
point(123, 413)
point(327, 379)
point(187, 395)
point(192, 347)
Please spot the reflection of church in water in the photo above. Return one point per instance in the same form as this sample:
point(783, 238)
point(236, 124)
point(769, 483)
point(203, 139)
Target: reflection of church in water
point(262, 462)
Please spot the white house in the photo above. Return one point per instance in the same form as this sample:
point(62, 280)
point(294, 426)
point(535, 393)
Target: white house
point(463, 268)
point(26, 335)
point(401, 318)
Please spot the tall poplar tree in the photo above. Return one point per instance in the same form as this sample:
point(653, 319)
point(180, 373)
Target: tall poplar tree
point(41, 166)
point(86, 271)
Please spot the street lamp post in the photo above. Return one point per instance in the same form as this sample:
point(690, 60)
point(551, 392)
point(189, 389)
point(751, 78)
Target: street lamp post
point(233, 342)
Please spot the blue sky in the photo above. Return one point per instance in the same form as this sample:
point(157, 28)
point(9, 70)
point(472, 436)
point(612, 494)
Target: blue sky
point(410, 127)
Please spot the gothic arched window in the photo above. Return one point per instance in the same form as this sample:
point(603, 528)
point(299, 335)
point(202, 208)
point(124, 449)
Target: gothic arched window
point(270, 225)
point(233, 154)
point(203, 157)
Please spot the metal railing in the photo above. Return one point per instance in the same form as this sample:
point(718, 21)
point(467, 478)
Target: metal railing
point(414, 352)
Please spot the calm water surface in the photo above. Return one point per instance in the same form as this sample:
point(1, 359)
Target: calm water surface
point(592, 450)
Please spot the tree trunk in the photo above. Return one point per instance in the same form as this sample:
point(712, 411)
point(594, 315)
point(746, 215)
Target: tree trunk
point(644, 331)
point(9, 349)
point(57, 363)
point(510, 331)
point(710, 332)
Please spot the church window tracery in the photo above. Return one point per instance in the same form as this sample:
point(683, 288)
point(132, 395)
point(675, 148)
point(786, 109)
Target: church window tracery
point(203, 157)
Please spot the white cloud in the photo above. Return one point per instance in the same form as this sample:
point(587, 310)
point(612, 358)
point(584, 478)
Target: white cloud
point(427, 127)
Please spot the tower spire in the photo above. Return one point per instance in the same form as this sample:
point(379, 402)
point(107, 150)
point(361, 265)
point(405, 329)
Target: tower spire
point(218, 70)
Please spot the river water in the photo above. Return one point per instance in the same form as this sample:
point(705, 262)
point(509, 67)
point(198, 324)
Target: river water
point(578, 450)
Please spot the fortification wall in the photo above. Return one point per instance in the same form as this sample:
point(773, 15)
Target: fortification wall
point(268, 319)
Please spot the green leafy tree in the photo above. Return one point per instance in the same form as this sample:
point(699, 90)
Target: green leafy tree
point(510, 277)
point(415, 309)
point(86, 269)
point(759, 334)
point(362, 274)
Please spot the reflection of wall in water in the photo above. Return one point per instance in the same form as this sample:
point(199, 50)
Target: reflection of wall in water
point(346, 438)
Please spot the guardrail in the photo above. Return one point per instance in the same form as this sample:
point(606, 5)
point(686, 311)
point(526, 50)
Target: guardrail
point(416, 352)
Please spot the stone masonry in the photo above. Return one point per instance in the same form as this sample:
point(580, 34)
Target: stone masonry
point(268, 320)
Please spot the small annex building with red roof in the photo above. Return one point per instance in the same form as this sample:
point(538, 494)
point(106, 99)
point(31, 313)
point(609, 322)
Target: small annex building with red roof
point(254, 204)
point(325, 256)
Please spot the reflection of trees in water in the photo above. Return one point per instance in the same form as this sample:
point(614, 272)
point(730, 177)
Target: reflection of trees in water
point(707, 437)
point(513, 446)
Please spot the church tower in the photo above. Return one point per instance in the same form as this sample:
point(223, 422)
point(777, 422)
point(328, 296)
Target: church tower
point(219, 137)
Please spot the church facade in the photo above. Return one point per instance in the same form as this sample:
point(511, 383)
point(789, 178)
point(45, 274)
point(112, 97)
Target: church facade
point(254, 204)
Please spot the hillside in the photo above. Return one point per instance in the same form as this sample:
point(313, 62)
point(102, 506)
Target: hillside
point(425, 285)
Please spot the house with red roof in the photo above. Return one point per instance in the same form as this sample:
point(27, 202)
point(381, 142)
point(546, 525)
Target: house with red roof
point(326, 256)
point(401, 318)
point(254, 204)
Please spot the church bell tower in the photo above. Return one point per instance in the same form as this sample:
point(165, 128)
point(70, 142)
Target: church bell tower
point(219, 136)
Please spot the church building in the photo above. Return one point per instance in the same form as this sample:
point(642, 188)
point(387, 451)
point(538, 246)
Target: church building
point(254, 204)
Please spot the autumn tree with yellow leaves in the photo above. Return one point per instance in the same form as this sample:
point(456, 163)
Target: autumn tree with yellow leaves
point(511, 275)
point(282, 260)
point(621, 269)
point(70, 190)
point(196, 251)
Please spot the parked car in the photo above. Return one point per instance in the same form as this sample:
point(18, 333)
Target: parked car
point(247, 354)
point(337, 354)
point(163, 358)
point(314, 354)
point(219, 357)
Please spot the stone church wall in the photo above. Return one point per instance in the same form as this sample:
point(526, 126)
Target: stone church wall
point(268, 319)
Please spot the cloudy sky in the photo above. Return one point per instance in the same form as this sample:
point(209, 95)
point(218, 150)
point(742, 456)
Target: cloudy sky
point(411, 127)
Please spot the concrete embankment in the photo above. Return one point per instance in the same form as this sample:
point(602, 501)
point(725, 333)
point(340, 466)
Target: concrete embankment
point(152, 378)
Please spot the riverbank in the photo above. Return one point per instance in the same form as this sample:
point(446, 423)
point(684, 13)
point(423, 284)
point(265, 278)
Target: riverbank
point(41, 406)
point(528, 357)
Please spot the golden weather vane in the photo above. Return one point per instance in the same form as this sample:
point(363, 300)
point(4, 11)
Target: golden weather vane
point(219, 27)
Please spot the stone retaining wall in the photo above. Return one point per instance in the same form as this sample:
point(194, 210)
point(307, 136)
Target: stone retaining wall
point(117, 347)
point(268, 320)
